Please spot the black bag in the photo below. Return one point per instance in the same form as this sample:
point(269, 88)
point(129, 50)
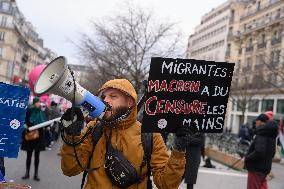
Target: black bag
point(119, 170)
point(147, 143)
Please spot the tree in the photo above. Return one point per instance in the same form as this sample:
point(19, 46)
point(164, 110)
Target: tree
point(267, 78)
point(273, 67)
point(122, 45)
point(244, 88)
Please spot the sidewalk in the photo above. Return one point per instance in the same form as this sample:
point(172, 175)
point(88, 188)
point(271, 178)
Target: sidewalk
point(52, 178)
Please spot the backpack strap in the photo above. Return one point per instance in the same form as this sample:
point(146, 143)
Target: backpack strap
point(147, 143)
point(97, 134)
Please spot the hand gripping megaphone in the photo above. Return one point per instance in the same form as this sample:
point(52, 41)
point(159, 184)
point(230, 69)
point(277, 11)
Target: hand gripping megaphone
point(56, 78)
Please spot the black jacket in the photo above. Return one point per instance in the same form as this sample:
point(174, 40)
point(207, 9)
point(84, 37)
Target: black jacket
point(262, 149)
point(193, 155)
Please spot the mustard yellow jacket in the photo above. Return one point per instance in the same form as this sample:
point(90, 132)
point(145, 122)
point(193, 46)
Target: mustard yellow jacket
point(167, 169)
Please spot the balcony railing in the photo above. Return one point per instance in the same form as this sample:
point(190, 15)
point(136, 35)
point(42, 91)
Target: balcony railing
point(277, 15)
point(273, 64)
point(261, 45)
point(263, 23)
point(9, 11)
point(262, 7)
point(275, 41)
point(259, 66)
point(246, 69)
point(248, 49)
point(234, 35)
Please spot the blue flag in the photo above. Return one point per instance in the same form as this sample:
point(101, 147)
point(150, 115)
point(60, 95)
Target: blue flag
point(13, 106)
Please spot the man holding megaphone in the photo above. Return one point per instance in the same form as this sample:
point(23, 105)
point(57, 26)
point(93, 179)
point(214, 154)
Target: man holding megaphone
point(114, 153)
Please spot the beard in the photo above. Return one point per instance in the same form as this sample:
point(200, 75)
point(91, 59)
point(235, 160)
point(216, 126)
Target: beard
point(115, 113)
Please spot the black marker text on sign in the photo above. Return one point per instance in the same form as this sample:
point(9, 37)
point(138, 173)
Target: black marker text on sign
point(186, 92)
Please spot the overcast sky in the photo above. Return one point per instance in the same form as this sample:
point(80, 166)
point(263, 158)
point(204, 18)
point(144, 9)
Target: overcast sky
point(59, 21)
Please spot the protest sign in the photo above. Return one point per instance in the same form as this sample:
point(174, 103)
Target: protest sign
point(13, 106)
point(187, 92)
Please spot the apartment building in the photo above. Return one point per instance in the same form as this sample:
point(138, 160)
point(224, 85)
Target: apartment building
point(86, 76)
point(21, 48)
point(209, 40)
point(256, 45)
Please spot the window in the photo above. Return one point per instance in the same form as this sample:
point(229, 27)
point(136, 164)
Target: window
point(250, 42)
point(262, 39)
point(230, 30)
point(4, 21)
point(271, 79)
point(240, 50)
point(261, 59)
point(267, 105)
point(276, 34)
point(249, 63)
point(232, 14)
point(253, 105)
point(2, 36)
point(1, 52)
point(5, 6)
point(240, 105)
point(275, 55)
point(258, 5)
point(237, 67)
point(280, 106)
point(277, 13)
point(234, 104)
point(232, 120)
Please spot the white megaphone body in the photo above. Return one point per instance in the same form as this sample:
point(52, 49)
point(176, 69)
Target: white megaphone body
point(57, 79)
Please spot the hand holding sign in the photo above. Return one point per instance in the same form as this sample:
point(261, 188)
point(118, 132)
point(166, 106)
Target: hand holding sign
point(182, 139)
point(186, 92)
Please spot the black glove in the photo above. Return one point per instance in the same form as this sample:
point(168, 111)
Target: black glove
point(73, 121)
point(182, 139)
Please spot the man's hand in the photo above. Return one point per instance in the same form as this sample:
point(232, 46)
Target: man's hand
point(73, 121)
point(182, 139)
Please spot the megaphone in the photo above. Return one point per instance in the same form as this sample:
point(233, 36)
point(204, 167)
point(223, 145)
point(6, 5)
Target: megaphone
point(56, 78)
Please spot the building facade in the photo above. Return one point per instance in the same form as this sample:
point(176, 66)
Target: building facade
point(256, 45)
point(210, 40)
point(85, 76)
point(210, 37)
point(21, 48)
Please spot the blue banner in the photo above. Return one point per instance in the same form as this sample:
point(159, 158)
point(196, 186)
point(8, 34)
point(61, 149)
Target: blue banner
point(13, 106)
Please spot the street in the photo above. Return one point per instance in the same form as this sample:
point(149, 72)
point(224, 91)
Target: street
point(52, 177)
point(184, 67)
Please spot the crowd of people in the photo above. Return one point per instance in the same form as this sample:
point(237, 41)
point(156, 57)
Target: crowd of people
point(186, 152)
point(40, 139)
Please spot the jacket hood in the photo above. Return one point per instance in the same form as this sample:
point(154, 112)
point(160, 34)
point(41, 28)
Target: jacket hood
point(268, 129)
point(126, 87)
point(121, 84)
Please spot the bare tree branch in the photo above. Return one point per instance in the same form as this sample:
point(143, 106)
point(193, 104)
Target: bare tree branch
point(122, 45)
